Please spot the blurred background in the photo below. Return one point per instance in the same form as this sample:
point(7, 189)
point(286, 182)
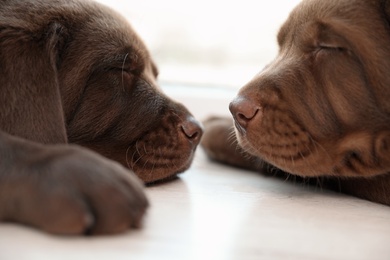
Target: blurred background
point(213, 43)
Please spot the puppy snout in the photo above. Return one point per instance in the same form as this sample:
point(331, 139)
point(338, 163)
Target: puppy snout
point(192, 129)
point(243, 111)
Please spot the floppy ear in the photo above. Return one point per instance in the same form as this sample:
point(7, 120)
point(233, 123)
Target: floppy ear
point(30, 101)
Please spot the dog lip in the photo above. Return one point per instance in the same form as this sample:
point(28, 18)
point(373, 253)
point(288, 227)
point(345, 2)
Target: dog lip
point(239, 128)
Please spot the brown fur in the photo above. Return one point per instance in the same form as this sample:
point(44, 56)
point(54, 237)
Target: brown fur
point(321, 108)
point(75, 72)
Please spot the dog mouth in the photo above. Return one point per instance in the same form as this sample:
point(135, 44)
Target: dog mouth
point(155, 161)
point(292, 156)
point(166, 150)
point(279, 139)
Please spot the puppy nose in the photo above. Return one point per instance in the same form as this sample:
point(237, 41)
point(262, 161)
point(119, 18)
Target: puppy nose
point(192, 129)
point(243, 111)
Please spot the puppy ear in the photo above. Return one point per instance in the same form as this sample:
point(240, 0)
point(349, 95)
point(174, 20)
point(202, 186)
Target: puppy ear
point(30, 103)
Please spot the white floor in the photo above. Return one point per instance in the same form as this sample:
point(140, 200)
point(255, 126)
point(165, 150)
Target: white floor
point(216, 212)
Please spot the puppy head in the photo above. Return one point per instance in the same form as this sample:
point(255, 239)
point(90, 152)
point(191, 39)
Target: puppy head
point(321, 107)
point(112, 103)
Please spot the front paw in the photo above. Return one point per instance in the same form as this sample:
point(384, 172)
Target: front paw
point(70, 190)
point(220, 144)
point(219, 139)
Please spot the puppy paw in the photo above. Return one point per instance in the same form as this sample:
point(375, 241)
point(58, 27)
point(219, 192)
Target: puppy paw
point(218, 138)
point(220, 144)
point(70, 190)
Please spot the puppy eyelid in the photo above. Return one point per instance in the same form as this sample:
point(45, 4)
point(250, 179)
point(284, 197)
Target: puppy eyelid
point(125, 63)
point(118, 69)
point(133, 71)
point(331, 47)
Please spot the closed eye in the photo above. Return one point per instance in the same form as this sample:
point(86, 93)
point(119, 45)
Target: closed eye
point(325, 49)
point(135, 71)
point(331, 47)
point(126, 63)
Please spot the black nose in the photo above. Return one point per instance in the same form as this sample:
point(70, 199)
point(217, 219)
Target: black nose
point(192, 129)
point(243, 111)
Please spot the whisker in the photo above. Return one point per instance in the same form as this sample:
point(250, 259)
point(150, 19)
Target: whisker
point(153, 165)
point(318, 145)
point(136, 147)
point(136, 151)
point(232, 136)
point(145, 149)
point(126, 157)
point(123, 68)
point(287, 177)
point(319, 183)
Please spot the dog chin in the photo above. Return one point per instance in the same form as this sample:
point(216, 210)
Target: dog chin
point(156, 169)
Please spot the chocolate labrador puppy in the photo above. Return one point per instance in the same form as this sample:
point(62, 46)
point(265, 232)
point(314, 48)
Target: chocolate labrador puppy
point(321, 109)
point(75, 72)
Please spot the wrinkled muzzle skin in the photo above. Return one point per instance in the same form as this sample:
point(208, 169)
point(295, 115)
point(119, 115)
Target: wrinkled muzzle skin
point(321, 108)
